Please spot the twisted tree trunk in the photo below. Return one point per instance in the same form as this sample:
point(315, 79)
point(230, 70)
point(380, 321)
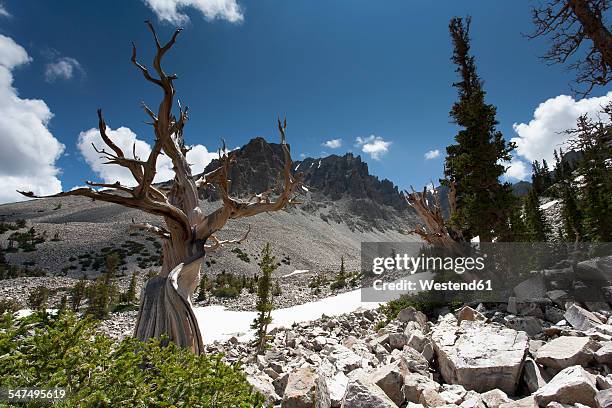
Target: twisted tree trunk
point(165, 307)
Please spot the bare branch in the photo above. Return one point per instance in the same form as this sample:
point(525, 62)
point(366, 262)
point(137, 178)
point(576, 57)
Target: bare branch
point(219, 243)
point(435, 231)
point(159, 231)
point(233, 208)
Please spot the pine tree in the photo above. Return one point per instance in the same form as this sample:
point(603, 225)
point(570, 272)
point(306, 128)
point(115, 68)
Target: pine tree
point(535, 222)
point(340, 280)
point(267, 265)
point(571, 215)
point(203, 288)
point(475, 163)
point(77, 294)
point(130, 295)
point(103, 292)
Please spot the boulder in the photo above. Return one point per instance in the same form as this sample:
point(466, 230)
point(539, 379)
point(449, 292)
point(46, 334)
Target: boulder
point(467, 313)
point(306, 389)
point(412, 361)
point(580, 318)
point(336, 386)
point(532, 377)
point(558, 297)
point(494, 398)
point(604, 383)
point(265, 388)
point(532, 288)
point(410, 314)
point(432, 398)
point(464, 358)
point(344, 359)
point(571, 385)
point(604, 398)
point(415, 384)
point(596, 269)
point(527, 402)
point(398, 340)
point(566, 351)
point(360, 393)
point(390, 379)
point(604, 354)
point(529, 324)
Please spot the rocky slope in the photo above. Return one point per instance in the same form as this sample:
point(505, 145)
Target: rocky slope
point(343, 207)
point(549, 351)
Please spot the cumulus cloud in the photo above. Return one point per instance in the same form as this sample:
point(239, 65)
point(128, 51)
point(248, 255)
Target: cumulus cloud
point(3, 11)
point(545, 132)
point(170, 10)
point(373, 145)
point(29, 150)
point(517, 170)
point(333, 144)
point(63, 68)
point(432, 154)
point(126, 139)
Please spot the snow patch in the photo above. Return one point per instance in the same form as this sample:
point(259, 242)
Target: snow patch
point(296, 272)
point(549, 204)
point(219, 324)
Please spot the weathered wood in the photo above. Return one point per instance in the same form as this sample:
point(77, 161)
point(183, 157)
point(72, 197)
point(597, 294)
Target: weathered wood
point(165, 308)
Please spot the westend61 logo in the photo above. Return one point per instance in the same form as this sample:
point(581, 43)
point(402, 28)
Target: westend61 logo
point(412, 264)
point(427, 265)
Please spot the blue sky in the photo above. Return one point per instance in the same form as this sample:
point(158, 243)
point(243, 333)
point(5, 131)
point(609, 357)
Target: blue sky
point(342, 69)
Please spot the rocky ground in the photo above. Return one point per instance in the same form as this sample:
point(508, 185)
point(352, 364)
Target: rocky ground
point(549, 351)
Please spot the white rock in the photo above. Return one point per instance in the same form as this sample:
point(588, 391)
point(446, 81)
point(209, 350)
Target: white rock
point(494, 398)
point(572, 385)
point(580, 318)
point(306, 389)
point(566, 351)
point(464, 358)
point(604, 354)
point(362, 394)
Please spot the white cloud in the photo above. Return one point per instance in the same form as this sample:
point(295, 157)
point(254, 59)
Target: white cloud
point(29, 150)
point(517, 169)
point(333, 144)
point(63, 68)
point(544, 133)
point(3, 11)
point(170, 10)
point(373, 145)
point(126, 139)
point(432, 154)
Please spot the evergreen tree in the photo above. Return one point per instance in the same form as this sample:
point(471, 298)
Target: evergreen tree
point(514, 229)
point(130, 295)
point(77, 294)
point(340, 280)
point(37, 300)
point(103, 292)
point(572, 217)
point(267, 265)
point(594, 140)
point(475, 163)
point(535, 222)
point(202, 288)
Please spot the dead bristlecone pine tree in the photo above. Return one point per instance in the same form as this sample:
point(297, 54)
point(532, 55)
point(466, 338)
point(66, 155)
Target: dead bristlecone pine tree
point(186, 233)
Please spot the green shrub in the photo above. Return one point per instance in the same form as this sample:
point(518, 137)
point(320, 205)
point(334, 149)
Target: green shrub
point(426, 302)
point(9, 305)
point(63, 352)
point(38, 298)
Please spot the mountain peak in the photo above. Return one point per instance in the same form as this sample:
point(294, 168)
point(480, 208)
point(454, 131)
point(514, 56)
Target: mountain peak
point(259, 166)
